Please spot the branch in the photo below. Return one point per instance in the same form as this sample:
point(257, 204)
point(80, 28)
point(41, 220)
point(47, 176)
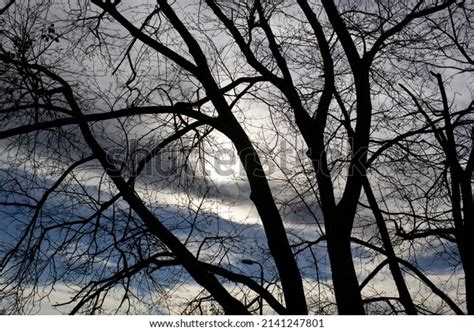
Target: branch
point(184, 109)
point(93, 290)
point(244, 47)
point(344, 36)
point(418, 273)
point(372, 274)
point(370, 55)
point(440, 137)
point(229, 87)
point(39, 206)
point(4, 9)
point(432, 286)
point(147, 40)
point(431, 124)
point(238, 278)
point(442, 233)
point(274, 47)
point(133, 111)
point(188, 260)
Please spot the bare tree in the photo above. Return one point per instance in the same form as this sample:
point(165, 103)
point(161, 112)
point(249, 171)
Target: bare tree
point(361, 44)
point(110, 111)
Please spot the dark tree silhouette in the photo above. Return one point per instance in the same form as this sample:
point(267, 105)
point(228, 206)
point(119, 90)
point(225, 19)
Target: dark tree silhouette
point(112, 113)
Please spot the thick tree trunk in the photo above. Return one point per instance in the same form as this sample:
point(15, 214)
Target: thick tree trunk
point(277, 239)
point(466, 253)
point(468, 261)
point(461, 200)
point(260, 190)
point(469, 279)
point(346, 285)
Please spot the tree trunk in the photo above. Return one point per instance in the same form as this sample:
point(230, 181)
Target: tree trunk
point(346, 285)
point(468, 261)
point(277, 239)
point(469, 281)
point(466, 253)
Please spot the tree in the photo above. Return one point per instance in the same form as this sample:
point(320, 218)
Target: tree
point(98, 94)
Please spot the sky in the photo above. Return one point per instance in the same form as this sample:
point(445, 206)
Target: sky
point(227, 209)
